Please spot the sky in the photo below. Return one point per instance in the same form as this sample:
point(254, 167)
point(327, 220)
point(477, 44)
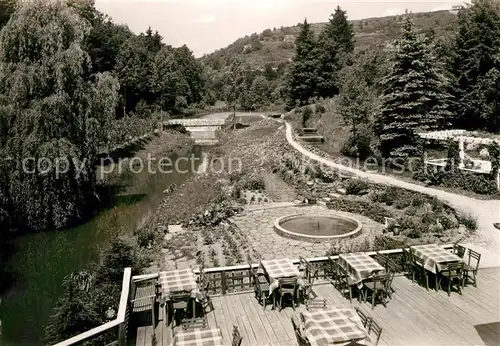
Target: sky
point(207, 25)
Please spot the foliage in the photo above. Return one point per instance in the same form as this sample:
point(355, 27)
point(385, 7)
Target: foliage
point(469, 221)
point(89, 294)
point(370, 210)
point(214, 215)
point(303, 76)
point(306, 114)
point(51, 109)
point(469, 181)
point(414, 94)
point(356, 186)
point(477, 43)
point(357, 103)
point(453, 155)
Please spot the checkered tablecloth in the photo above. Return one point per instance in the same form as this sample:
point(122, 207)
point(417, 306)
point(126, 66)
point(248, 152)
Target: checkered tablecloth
point(359, 266)
point(338, 325)
point(198, 337)
point(434, 256)
point(277, 269)
point(179, 280)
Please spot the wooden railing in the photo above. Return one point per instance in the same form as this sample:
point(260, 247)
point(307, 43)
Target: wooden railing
point(121, 321)
point(223, 280)
point(235, 279)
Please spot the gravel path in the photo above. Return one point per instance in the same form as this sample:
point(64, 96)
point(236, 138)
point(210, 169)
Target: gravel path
point(487, 212)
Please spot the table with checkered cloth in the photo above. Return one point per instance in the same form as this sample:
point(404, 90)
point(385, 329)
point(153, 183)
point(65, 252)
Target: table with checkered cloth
point(434, 256)
point(360, 266)
point(179, 280)
point(195, 337)
point(278, 269)
point(336, 325)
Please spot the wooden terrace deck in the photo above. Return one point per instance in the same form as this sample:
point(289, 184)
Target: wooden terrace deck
point(413, 317)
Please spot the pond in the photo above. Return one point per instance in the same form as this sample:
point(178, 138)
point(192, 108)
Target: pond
point(40, 261)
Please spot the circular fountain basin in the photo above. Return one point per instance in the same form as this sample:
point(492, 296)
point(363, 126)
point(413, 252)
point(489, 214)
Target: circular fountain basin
point(306, 227)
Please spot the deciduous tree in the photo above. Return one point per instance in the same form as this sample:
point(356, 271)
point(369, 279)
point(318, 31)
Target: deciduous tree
point(54, 115)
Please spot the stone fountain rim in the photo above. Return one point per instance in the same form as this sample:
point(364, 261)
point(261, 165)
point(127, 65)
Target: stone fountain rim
point(305, 237)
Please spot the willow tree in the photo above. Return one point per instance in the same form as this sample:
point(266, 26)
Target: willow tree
point(53, 115)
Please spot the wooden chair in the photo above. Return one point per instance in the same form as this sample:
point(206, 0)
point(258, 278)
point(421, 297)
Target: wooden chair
point(407, 262)
point(194, 323)
point(316, 304)
point(236, 337)
point(345, 282)
point(206, 301)
point(308, 288)
point(143, 294)
point(459, 250)
point(301, 339)
point(363, 316)
point(454, 271)
point(287, 286)
point(378, 286)
point(386, 262)
point(261, 289)
point(419, 270)
point(330, 271)
point(179, 302)
point(374, 332)
point(471, 267)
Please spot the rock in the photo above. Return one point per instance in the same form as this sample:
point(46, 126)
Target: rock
point(162, 229)
point(484, 153)
point(341, 191)
point(310, 183)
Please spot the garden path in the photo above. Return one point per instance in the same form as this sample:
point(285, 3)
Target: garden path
point(486, 211)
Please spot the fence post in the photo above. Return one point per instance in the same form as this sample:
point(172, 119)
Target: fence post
point(223, 283)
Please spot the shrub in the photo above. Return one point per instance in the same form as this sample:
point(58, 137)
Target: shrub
point(358, 146)
point(418, 201)
point(411, 211)
point(370, 210)
point(402, 203)
point(306, 114)
point(356, 186)
point(429, 218)
point(390, 195)
point(437, 205)
point(477, 183)
point(145, 236)
point(254, 183)
point(469, 221)
point(446, 222)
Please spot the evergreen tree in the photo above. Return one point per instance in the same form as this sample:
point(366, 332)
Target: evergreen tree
point(52, 112)
point(335, 45)
point(303, 79)
point(414, 94)
point(340, 30)
point(477, 43)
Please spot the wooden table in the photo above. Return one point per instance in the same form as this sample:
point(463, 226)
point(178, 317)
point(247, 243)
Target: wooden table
point(334, 326)
point(434, 257)
point(198, 337)
point(359, 266)
point(178, 281)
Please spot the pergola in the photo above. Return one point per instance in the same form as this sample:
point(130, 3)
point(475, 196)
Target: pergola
point(461, 137)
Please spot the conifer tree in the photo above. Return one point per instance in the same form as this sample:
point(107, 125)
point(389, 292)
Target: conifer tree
point(303, 79)
point(335, 44)
point(477, 43)
point(414, 94)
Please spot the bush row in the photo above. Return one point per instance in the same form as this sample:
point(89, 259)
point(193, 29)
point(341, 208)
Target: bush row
point(370, 210)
